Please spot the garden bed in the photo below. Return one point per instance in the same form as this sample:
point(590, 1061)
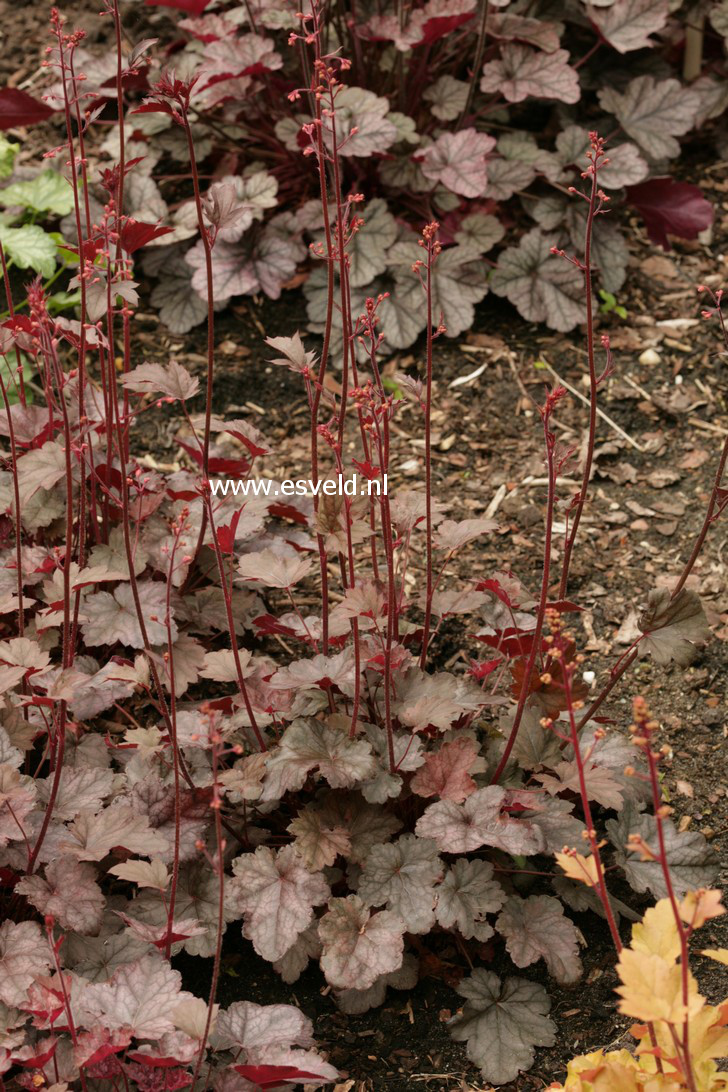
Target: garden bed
point(666, 419)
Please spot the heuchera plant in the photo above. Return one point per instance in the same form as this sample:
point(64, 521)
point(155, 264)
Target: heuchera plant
point(185, 747)
point(471, 114)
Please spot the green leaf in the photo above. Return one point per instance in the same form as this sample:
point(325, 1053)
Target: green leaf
point(64, 255)
point(8, 152)
point(47, 192)
point(29, 247)
point(610, 304)
point(62, 301)
point(9, 373)
point(390, 384)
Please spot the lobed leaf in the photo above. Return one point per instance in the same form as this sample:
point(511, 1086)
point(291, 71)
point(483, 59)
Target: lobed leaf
point(522, 72)
point(140, 996)
point(462, 828)
point(68, 893)
point(536, 928)
point(672, 627)
point(692, 861)
point(308, 745)
point(402, 876)
point(653, 113)
point(541, 285)
point(466, 895)
point(628, 24)
point(276, 894)
point(502, 1023)
point(445, 773)
point(358, 945)
point(24, 954)
point(459, 161)
point(170, 379)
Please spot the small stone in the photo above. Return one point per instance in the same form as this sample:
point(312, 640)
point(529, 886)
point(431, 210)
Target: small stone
point(650, 356)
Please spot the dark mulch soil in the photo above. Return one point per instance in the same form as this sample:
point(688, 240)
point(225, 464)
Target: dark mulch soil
point(648, 506)
point(654, 469)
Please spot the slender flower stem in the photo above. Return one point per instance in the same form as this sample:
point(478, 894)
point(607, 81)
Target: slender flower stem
point(231, 623)
point(178, 531)
point(429, 240)
point(551, 401)
point(596, 155)
point(207, 249)
point(328, 325)
point(477, 61)
point(585, 803)
point(220, 924)
point(53, 945)
point(48, 347)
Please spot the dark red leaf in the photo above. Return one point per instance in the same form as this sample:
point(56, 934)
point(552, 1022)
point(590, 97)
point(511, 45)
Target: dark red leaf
point(39, 1060)
point(670, 208)
point(563, 606)
point(268, 625)
point(437, 28)
point(89, 249)
point(154, 108)
point(497, 590)
point(19, 324)
point(226, 535)
point(367, 470)
point(273, 1076)
point(108, 475)
point(222, 705)
point(481, 670)
point(19, 108)
point(130, 81)
point(192, 7)
point(511, 641)
point(136, 234)
point(48, 565)
point(174, 1078)
point(100, 1055)
point(183, 494)
point(156, 1061)
point(254, 449)
point(233, 468)
point(287, 511)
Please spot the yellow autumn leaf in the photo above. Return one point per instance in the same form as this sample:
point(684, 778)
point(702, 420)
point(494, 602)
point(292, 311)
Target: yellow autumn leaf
point(698, 906)
point(708, 1037)
point(720, 955)
point(657, 933)
point(652, 988)
point(616, 1071)
point(591, 1071)
point(578, 867)
point(708, 1040)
